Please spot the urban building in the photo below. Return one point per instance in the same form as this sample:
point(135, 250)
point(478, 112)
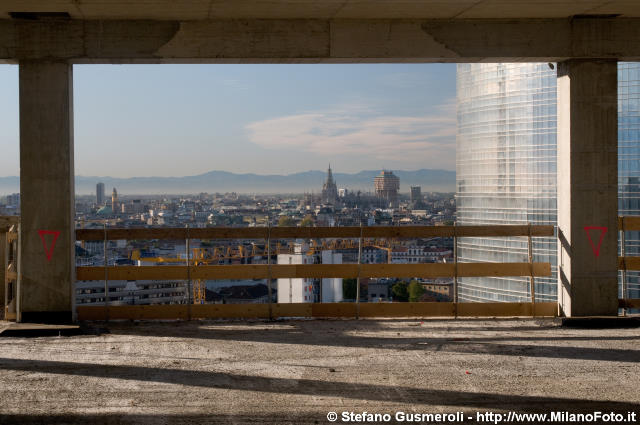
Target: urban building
point(400, 255)
point(506, 168)
point(309, 290)
point(378, 292)
point(297, 290)
point(308, 201)
point(325, 216)
point(386, 185)
point(433, 254)
point(13, 200)
point(329, 189)
point(331, 288)
point(123, 292)
point(100, 194)
point(11, 205)
point(438, 290)
point(114, 201)
point(416, 196)
point(374, 255)
point(136, 206)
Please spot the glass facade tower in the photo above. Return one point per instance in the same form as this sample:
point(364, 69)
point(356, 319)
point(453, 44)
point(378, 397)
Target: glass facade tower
point(506, 169)
point(629, 163)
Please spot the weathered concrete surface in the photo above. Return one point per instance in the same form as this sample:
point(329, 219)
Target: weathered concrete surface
point(3, 260)
point(37, 329)
point(46, 192)
point(588, 188)
point(298, 371)
point(319, 40)
point(349, 9)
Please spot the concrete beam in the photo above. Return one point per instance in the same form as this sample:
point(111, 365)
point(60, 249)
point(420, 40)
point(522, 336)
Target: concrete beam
point(46, 291)
point(319, 40)
point(588, 188)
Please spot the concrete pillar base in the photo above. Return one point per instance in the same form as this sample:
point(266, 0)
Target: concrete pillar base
point(57, 317)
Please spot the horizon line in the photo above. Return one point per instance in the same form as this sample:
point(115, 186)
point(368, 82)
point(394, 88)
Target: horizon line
point(249, 173)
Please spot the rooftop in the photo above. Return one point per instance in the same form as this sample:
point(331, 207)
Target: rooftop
point(298, 371)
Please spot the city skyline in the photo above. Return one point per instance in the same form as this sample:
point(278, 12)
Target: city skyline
point(273, 119)
point(220, 181)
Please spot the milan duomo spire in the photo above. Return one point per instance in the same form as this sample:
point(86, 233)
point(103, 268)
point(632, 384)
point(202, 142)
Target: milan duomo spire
point(329, 189)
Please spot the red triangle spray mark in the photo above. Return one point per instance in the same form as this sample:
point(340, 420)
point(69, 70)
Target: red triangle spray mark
point(603, 230)
point(49, 251)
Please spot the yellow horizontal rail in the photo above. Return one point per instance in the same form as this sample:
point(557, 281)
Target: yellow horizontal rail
point(276, 271)
point(628, 223)
point(314, 232)
point(628, 263)
point(261, 311)
point(629, 303)
point(624, 223)
point(8, 220)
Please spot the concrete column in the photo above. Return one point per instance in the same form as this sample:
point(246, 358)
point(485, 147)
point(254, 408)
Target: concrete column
point(3, 241)
point(588, 187)
point(46, 192)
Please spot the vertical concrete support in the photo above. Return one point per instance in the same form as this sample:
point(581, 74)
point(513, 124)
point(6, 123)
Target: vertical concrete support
point(3, 241)
point(46, 192)
point(588, 187)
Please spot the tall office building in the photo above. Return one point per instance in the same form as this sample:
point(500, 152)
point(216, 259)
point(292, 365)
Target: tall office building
point(506, 168)
point(387, 185)
point(629, 162)
point(100, 194)
point(416, 195)
point(114, 201)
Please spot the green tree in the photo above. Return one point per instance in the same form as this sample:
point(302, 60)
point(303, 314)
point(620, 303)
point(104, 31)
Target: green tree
point(286, 221)
point(307, 221)
point(400, 292)
point(416, 290)
point(349, 289)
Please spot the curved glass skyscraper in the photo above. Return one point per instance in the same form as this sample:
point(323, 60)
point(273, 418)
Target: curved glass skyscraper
point(629, 161)
point(506, 168)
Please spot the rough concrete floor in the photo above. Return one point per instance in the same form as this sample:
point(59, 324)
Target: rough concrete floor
point(298, 371)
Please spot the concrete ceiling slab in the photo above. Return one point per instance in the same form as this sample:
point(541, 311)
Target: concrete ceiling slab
point(404, 9)
point(489, 9)
point(325, 9)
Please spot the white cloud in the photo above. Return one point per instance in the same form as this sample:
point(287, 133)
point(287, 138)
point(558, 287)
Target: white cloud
point(235, 84)
point(426, 140)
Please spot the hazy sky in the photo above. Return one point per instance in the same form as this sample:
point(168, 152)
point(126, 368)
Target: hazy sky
point(175, 120)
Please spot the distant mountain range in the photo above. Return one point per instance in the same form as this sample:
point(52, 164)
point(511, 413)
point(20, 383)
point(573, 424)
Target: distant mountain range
point(223, 181)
